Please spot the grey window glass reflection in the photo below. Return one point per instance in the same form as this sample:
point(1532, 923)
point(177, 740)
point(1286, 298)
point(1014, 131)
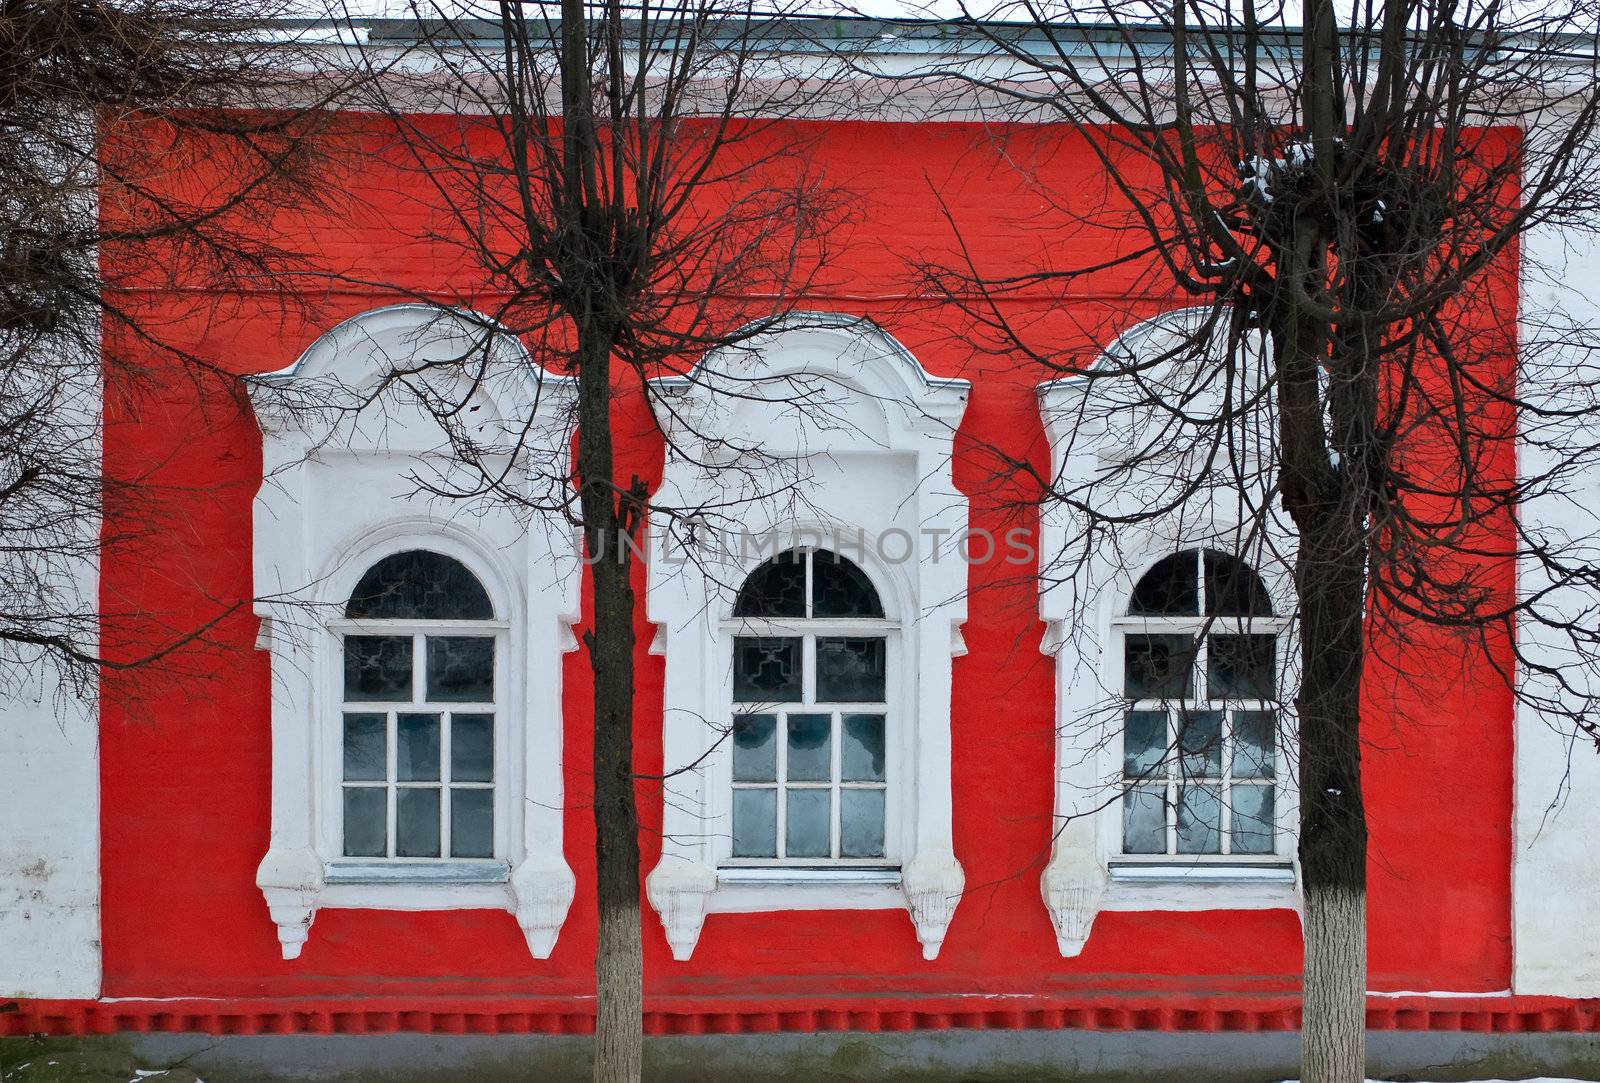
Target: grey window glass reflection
point(366, 739)
point(471, 822)
point(377, 668)
point(766, 669)
point(416, 828)
point(850, 669)
point(472, 747)
point(1158, 666)
point(1170, 589)
point(461, 669)
point(419, 585)
point(840, 589)
point(416, 754)
point(1253, 815)
point(775, 589)
point(1144, 820)
point(755, 748)
point(1241, 666)
point(807, 829)
point(1233, 589)
point(1199, 820)
point(862, 757)
point(1200, 744)
point(810, 748)
point(366, 813)
point(1144, 742)
point(1254, 737)
point(755, 823)
point(861, 823)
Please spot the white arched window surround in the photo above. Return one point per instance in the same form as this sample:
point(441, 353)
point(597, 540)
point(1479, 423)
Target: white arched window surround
point(1084, 606)
point(881, 462)
point(339, 493)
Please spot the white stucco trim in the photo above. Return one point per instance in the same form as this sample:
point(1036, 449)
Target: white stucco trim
point(822, 431)
point(1555, 885)
point(339, 493)
point(1079, 602)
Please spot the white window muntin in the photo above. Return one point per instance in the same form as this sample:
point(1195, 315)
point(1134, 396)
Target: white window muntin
point(334, 782)
point(809, 629)
point(809, 632)
point(1170, 774)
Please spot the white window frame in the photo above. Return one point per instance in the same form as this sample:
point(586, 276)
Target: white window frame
point(808, 629)
point(340, 493)
point(1146, 868)
point(899, 423)
point(493, 869)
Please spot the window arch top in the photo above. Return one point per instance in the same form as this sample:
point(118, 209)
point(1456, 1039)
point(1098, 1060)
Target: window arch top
point(1200, 583)
point(419, 585)
point(803, 583)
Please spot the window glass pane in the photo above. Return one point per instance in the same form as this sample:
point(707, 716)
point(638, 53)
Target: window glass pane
point(1241, 667)
point(755, 748)
point(471, 823)
point(1199, 820)
point(416, 822)
point(810, 747)
point(863, 751)
point(366, 812)
point(1144, 820)
point(1200, 744)
point(1254, 735)
point(1169, 589)
point(1144, 742)
point(806, 833)
point(850, 670)
point(840, 589)
point(377, 668)
point(1253, 812)
point(755, 823)
point(1233, 589)
point(416, 754)
point(419, 585)
point(472, 747)
point(860, 823)
point(366, 738)
point(766, 670)
point(461, 669)
point(775, 589)
point(1158, 666)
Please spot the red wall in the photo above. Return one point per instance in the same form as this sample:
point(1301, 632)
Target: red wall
point(186, 747)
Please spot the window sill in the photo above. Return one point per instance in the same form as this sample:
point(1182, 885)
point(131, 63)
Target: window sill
point(1196, 885)
point(761, 888)
point(418, 872)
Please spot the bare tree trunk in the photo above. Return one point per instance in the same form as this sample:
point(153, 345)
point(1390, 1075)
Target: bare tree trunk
point(1333, 831)
point(618, 964)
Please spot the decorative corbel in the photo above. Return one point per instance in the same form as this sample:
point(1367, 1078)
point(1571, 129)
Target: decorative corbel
point(1073, 893)
point(933, 884)
point(291, 881)
point(679, 891)
point(543, 888)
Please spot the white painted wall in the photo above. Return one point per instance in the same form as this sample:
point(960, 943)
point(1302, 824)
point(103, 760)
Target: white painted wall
point(49, 843)
point(1556, 856)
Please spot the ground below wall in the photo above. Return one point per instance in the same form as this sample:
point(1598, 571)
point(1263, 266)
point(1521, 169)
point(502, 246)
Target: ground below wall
point(936, 1057)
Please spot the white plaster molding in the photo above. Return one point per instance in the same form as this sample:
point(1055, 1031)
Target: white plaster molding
point(933, 883)
point(340, 492)
point(543, 890)
point(867, 452)
point(1080, 593)
point(680, 893)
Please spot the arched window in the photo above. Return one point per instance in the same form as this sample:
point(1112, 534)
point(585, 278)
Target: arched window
point(810, 714)
point(419, 708)
point(1200, 677)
